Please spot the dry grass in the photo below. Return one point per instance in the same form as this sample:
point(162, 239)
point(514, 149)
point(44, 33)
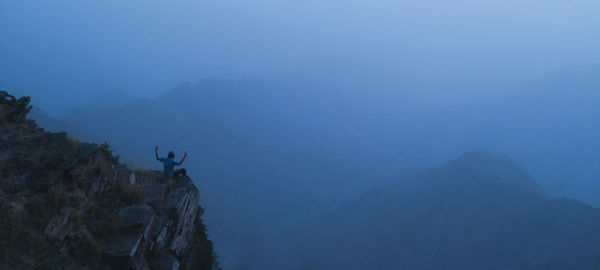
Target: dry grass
point(108, 154)
point(23, 247)
point(128, 193)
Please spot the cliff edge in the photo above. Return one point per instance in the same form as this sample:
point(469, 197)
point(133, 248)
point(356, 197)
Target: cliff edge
point(71, 205)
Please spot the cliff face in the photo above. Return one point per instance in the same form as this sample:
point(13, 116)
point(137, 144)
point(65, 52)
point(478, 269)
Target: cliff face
point(68, 205)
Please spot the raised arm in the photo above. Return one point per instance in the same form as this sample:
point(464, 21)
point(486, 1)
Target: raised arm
point(183, 159)
point(156, 151)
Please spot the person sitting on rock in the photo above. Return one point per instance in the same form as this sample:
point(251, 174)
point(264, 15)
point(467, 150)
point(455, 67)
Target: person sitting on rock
point(170, 163)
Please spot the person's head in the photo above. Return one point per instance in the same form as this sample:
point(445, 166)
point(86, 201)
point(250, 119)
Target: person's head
point(171, 154)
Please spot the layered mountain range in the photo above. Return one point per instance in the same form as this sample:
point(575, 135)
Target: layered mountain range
point(269, 155)
point(478, 211)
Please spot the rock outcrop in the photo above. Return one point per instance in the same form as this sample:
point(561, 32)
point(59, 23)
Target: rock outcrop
point(68, 205)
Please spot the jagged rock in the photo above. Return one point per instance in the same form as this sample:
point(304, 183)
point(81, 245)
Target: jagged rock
point(60, 225)
point(170, 230)
point(93, 211)
point(134, 217)
point(12, 109)
point(153, 194)
point(117, 251)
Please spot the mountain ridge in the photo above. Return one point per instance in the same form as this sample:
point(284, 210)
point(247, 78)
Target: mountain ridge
point(453, 217)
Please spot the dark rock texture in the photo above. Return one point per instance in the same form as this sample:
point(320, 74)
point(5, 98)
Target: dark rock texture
point(70, 205)
point(13, 109)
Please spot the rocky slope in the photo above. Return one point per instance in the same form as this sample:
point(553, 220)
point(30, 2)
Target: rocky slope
point(71, 205)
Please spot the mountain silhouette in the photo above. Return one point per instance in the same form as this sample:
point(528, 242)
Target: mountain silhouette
point(478, 211)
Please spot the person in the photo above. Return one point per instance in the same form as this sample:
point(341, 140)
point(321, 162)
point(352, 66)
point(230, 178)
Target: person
point(169, 164)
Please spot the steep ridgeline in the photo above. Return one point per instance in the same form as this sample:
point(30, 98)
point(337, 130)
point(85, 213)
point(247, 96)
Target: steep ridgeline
point(478, 211)
point(68, 205)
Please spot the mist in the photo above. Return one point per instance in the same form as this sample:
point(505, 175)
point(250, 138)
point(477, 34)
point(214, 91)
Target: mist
point(73, 50)
point(299, 115)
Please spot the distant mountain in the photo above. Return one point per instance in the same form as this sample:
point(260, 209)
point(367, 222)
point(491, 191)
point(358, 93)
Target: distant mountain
point(46, 121)
point(272, 154)
point(478, 211)
point(570, 129)
point(553, 126)
point(249, 136)
point(265, 154)
point(53, 124)
point(108, 100)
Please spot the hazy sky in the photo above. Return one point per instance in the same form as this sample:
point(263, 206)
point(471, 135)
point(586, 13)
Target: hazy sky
point(63, 51)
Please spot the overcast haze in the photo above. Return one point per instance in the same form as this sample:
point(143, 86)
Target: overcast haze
point(76, 49)
point(348, 125)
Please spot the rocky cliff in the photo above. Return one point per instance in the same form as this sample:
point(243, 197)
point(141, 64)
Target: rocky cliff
point(71, 205)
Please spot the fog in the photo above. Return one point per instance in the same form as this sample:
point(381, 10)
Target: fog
point(296, 113)
point(72, 50)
